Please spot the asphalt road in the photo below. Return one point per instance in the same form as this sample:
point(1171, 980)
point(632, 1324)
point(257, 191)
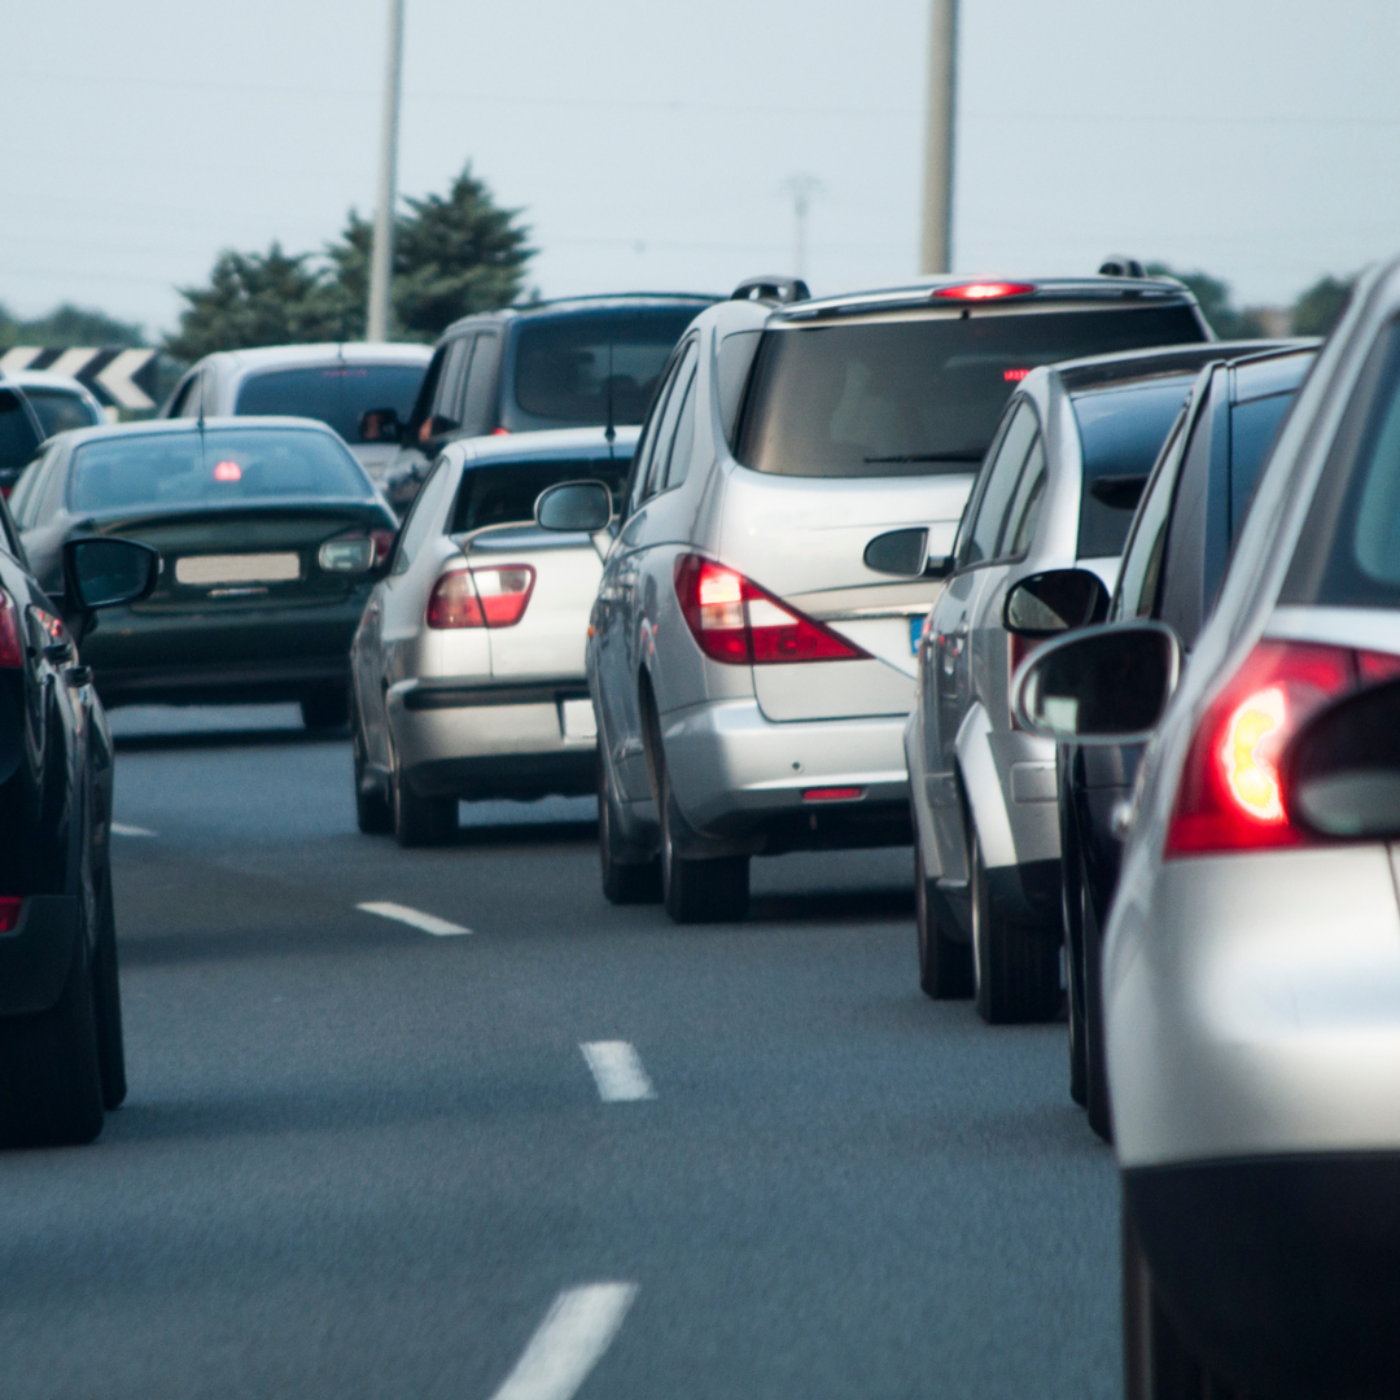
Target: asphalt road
point(363, 1160)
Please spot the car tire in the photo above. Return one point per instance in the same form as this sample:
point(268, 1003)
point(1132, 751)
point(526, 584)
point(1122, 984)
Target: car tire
point(373, 814)
point(945, 965)
point(107, 1002)
point(326, 707)
point(1072, 912)
point(631, 875)
point(1016, 964)
point(419, 821)
point(50, 1070)
point(1157, 1364)
point(711, 891)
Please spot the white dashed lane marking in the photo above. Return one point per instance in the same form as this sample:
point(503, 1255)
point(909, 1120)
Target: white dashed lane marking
point(121, 829)
point(429, 923)
point(617, 1070)
point(567, 1345)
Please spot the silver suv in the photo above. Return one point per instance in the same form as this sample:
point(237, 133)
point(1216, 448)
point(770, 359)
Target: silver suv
point(792, 502)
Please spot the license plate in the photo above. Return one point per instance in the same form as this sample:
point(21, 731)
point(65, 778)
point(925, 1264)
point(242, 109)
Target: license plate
point(916, 632)
point(201, 570)
point(578, 718)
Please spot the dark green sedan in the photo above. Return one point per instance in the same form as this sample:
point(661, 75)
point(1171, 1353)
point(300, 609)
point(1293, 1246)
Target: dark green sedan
point(271, 537)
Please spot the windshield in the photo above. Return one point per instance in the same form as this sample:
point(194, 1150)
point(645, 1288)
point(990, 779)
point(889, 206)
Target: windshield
point(338, 395)
point(566, 369)
point(504, 493)
point(914, 397)
point(156, 471)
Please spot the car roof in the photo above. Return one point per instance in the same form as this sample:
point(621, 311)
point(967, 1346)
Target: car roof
point(45, 379)
point(1261, 376)
point(167, 426)
point(588, 305)
point(1095, 372)
point(553, 442)
point(349, 352)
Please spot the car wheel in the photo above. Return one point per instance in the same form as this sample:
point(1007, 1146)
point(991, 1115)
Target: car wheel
point(107, 1002)
point(420, 821)
point(1072, 897)
point(326, 707)
point(1157, 1364)
point(1016, 965)
point(945, 965)
point(1095, 1052)
point(373, 815)
point(50, 1071)
point(710, 891)
point(631, 875)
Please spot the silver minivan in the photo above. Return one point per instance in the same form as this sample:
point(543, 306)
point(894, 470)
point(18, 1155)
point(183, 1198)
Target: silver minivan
point(791, 507)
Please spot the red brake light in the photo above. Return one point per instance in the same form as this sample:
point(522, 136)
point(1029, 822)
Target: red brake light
point(1229, 798)
point(985, 291)
point(10, 906)
point(500, 432)
point(494, 597)
point(227, 471)
point(734, 620)
point(11, 643)
point(383, 543)
point(1014, 376)
point(833, 794)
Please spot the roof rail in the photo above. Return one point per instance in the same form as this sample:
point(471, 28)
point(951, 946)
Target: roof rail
point(777, 289)
point(1120, 265)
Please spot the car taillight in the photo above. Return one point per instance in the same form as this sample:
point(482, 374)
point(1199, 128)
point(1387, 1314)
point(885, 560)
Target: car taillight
point(985, 291)
point(11, 643)
point(355, 551)
point(734, 620)
point(1229, 798)
point(494, 597)
point(10, 906)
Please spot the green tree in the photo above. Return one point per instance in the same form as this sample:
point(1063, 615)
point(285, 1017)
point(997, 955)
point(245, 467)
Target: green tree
point(1214, 296)
point(68, 325)
point(1321, 306)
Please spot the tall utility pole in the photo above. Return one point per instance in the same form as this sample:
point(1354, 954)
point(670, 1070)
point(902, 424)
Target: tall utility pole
point(936, 244)
point(801, 188)
point(381, 266)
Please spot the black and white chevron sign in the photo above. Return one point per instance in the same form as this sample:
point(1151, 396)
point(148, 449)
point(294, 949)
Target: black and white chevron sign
point(122, 377)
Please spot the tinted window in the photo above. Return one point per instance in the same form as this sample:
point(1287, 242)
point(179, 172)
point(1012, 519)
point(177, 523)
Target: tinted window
point(1121, 431)
point(479, 412)
point(223, 467)
point(676, 399)
point(915, 396)
point(504, 493)
point(58, 410)
point(683, 444)
point(1024, 514)
point(1253, 428)
point(452, 385)
point(337, 395)
point(1136, 594)
point(566, 369)
point(1000, 479)
point(17, 436)
point(651, 434)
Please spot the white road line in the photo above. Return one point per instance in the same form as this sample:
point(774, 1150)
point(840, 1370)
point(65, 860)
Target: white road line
point(121, 829)
point(617, 1069)
point(429, 923)
point(567, 1345)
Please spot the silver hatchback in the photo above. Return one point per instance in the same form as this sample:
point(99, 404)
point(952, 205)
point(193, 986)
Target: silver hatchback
point(795, 494)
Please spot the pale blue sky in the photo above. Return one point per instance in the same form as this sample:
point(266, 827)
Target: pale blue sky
point(649, 142)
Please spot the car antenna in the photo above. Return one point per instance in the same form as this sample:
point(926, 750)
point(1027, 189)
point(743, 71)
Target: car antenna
point(610, 432)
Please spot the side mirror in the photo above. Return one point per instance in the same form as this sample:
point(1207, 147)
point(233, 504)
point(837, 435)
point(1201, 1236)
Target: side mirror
point(1059, 600)
point(1106, 685)
point(574, 506)
point(1341, 773)
point(102, 573)
point(380, 425)
point(904, 553)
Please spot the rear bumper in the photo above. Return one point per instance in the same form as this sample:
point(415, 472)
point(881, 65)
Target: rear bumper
point(36, 954)
point(496, 739)
point(1283, 1273)
point(740, 777)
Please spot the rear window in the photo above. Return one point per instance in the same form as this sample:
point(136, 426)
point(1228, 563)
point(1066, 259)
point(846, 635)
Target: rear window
point(215, 468)
point(504, 493)
point(1348, 554)
point(59, 410)
point(567, 369)
point(915, 397)
point(1121, 431)
point(17, 437)
point(337, 395)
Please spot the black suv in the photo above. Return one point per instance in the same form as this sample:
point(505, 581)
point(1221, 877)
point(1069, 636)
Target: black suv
point(584, 362)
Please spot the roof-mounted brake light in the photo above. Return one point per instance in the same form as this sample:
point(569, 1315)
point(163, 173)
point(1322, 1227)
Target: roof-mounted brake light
point(985, 291)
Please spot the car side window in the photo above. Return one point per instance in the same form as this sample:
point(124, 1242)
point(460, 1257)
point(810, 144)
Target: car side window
point(29, 494)
point(670, 420)
point(180, 403)
point(420, 517)
point(452, 386)
point(682, 444)
point(1141, 572)
point(1002, 474)
point(422, 405)
point(18, 434)
point(9, 534)
point(479, 407)
point(651, 435)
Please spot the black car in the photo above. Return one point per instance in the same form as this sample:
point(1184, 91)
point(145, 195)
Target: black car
point(21, 432)
point(584, 362)
point(61, 1060)
point(272, 535)
point(1175, 557)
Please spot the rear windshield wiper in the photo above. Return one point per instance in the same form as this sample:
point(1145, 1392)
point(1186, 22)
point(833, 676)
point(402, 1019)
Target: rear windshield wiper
point(926, 457)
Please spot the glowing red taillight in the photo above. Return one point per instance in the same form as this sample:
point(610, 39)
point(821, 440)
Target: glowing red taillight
point(1229, 798)
point(734, 620)
point(985, 291)
point(11, 642)
point(9, 912)
point(494, 597)
point(833, 794)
